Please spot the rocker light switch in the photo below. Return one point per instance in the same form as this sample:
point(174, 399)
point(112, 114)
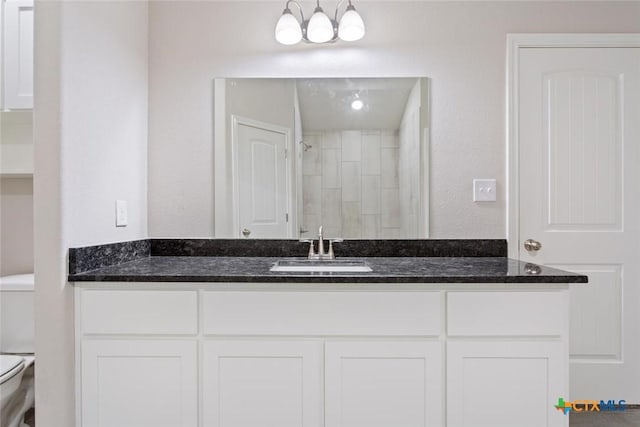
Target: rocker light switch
point(121, 213)
point(484, 190)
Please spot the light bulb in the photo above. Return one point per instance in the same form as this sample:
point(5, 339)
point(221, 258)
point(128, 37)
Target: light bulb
point(351, 26)
point(320, 28)
point(357, 104)
point(288, 29)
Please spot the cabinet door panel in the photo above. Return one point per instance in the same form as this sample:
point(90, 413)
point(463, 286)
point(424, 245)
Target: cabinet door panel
point(496, 384)
point(382, 384)
point(262, 383)
point(18, 54)
point(139, 383)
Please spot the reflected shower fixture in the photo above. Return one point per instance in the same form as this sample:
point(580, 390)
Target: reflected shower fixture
point(357, 103)
point(320, 28)
point(306, 146)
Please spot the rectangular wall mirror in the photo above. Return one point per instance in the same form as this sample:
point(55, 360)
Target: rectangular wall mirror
point(350, 154)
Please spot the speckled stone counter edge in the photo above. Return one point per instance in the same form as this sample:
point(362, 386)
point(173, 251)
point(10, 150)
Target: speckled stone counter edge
point(100, 256)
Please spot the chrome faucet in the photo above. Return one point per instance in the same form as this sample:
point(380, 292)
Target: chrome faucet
point(321, 255)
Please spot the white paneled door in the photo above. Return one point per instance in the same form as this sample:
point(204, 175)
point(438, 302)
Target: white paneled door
point(262, 180)
point(579, 198)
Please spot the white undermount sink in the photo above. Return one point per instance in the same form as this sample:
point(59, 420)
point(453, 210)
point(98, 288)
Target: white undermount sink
point(320, 266)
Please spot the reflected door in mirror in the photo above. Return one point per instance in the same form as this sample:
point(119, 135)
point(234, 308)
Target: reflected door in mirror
point(262, 182)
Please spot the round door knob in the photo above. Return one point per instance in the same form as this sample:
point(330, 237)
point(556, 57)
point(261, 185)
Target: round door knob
point(532, 245)
point(532, 269)
point(246, 232)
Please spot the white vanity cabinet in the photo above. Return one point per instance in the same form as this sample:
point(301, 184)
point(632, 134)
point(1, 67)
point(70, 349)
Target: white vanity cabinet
point(18, 54)
point(313, 355)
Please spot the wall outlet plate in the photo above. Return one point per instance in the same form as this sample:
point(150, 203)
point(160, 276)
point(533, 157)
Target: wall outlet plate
point(122, 217)
point(484, 190)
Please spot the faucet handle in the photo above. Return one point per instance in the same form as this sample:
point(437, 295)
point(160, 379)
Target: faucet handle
point(312, 252)
point(331, 242)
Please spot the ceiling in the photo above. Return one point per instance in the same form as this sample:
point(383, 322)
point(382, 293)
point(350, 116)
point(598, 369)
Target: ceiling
point(325, 104)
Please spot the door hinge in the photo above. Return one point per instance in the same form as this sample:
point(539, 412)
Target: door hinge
point(286, 153)
point(286, 217)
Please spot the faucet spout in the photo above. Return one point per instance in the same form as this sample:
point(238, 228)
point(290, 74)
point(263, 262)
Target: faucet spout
point(320, 243)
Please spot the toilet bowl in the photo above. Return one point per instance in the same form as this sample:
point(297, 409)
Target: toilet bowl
point(11, 370)
point(16, 349)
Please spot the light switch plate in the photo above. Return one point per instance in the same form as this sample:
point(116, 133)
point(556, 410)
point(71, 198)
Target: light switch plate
point(122, 217)
point(484, 190)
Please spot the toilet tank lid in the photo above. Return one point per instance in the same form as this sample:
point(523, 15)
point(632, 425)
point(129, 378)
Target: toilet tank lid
point(17, 282)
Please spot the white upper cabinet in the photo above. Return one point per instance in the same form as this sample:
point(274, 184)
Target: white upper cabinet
point(18, 54)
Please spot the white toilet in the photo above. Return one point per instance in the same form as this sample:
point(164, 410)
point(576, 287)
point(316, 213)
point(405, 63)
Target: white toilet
point(16, 349)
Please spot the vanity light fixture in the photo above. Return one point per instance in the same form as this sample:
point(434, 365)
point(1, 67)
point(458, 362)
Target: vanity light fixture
point(320, 28)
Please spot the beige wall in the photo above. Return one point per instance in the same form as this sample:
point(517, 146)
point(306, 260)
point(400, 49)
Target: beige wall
point(461, 46)
point(16, 142)
point(16, 226)
point(16, 194)
point(90, 132)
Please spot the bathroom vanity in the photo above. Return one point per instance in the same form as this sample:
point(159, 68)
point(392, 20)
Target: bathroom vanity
point(201, 333)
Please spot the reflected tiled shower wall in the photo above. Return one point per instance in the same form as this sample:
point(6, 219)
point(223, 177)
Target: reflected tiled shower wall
point(351, 184)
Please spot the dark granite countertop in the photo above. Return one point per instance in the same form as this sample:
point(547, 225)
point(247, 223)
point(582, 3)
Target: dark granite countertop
point(384, 270)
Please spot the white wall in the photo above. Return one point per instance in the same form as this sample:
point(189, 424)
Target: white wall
point(16, 194)
point(90, 133)
point(16, 226)
point(461, 46)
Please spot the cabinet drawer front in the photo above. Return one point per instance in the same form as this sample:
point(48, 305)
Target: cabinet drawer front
point(506, 313)
point(139, 312)
point(322, 313)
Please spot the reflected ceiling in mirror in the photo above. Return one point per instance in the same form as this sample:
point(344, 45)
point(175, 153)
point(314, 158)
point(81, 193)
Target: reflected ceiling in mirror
point(346, 153)
point(328, 103)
